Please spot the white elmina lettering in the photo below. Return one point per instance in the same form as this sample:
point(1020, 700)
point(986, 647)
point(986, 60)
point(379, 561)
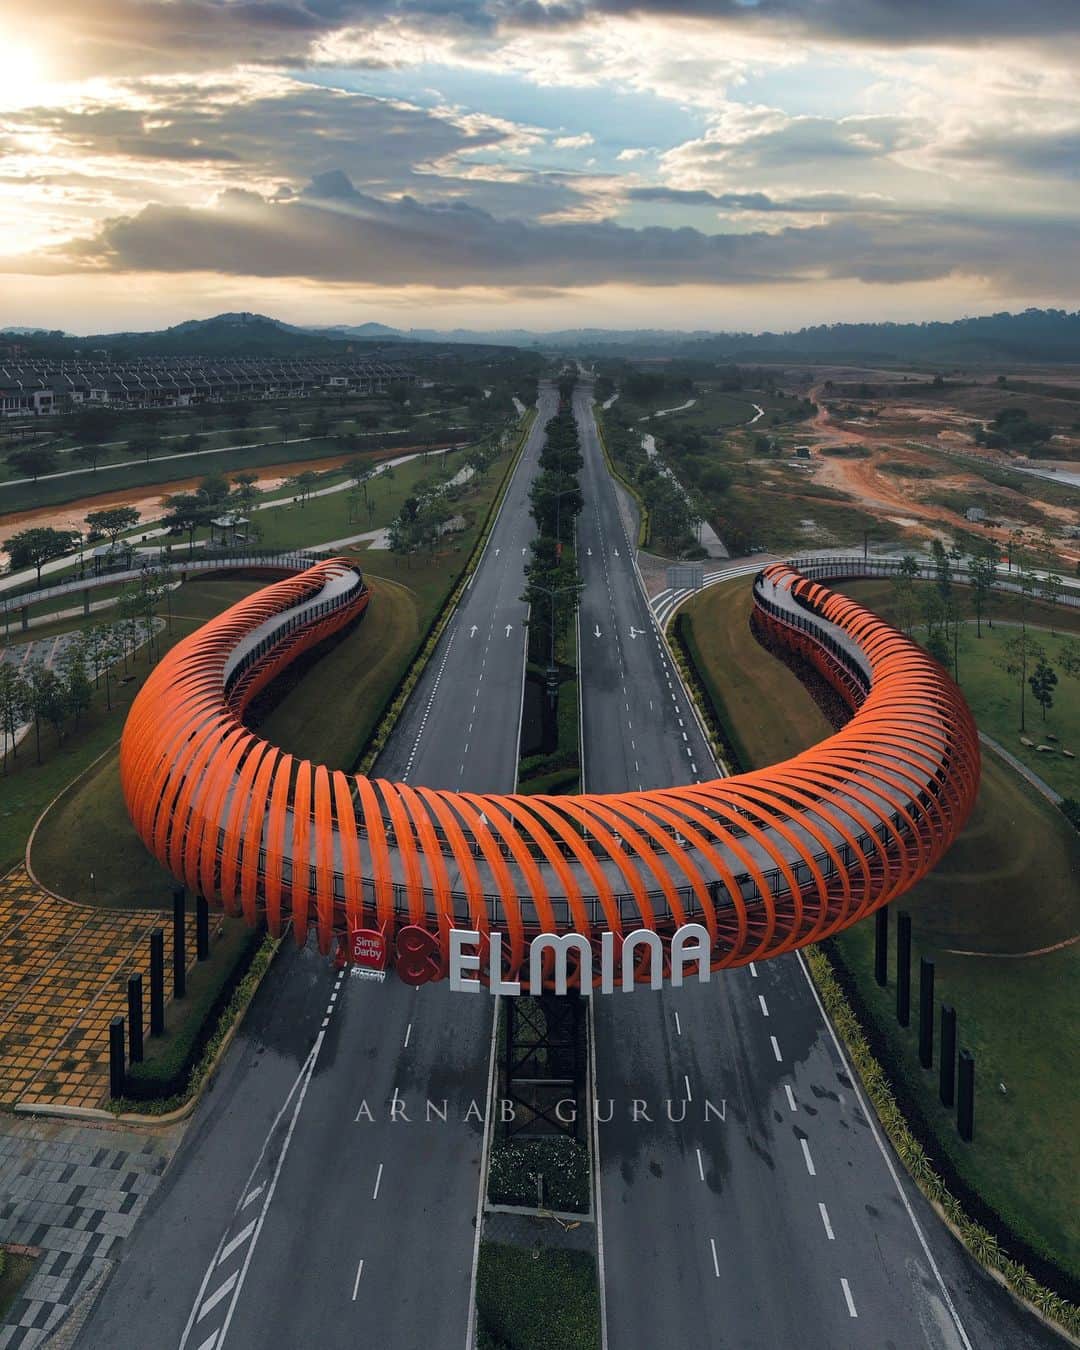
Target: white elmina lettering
point(561, 944)
point(496, 983)
point(460, 960)
point(651, 940)
point(607, 963)
point(690, 943)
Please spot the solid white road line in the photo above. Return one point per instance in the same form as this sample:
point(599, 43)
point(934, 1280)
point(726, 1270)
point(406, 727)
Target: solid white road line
point(252, 1195)
point(776, 1050)
point(806, 1155)
point(356, 1282)
point(825, 1220)
point(210, 1342)
point(847, 1298)
point(485, 1151)
point(715, 1258)
point(790, 1097)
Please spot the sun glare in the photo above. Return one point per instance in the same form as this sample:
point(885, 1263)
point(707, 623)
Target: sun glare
point(22, 77)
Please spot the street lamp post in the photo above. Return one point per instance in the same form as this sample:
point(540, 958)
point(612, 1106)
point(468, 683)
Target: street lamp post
point(552, 671)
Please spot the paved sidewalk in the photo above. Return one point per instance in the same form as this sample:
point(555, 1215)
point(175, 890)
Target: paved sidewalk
point(63, 977)
point(75, 1190)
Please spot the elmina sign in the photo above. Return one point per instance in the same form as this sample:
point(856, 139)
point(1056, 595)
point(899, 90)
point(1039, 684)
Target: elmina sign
point(687, 952)
point(474, 960)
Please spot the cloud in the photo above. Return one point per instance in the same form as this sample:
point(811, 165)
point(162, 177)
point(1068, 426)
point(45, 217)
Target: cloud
point(814, 202)
point(632, 153)
point(573, 142)
point(336, 233)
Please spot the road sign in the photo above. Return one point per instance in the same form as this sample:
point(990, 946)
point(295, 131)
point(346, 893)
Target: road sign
point(368, 948)
point(686, 577)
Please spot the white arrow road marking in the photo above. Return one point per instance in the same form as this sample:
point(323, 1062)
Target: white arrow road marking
point(509, 629)
point(523, 553)
point(636, 632)
point(588, 552)
point(616, 553)
point(473, 631)
point(596, 631)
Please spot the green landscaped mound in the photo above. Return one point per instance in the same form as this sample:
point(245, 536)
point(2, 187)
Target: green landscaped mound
point(1007, 887)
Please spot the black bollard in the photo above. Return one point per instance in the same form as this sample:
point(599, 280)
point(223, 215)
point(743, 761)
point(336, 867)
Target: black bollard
point(903, 969)
point(135, 1019)
point(116, 1057)
point(926, 1013)
point(179, 954)
point(947, 1078)
point(157, 982)
point(202, 928)
point(881, 946)
point(965, 1097)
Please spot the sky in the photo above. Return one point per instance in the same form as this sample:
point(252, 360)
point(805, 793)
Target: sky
point(720, 164)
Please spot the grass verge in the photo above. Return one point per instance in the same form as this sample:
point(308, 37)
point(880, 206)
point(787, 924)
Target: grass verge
point(530, 1299)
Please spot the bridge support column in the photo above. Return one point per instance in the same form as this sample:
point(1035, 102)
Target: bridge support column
point(903, 969)
point(24, 615)
point(86, 601)
point(179, 951)
point(881, 946)
point(926, 1013)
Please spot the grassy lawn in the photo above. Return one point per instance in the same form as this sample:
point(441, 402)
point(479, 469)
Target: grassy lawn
point(536, 1301)
point(1007, 886)
point(994, 696)
point(28, 787)
point(355, 679)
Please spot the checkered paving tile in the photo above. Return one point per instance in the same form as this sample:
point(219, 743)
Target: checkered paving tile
point(63, 977)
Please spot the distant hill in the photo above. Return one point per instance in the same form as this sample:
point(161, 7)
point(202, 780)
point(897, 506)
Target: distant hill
point(1036, 335)
point(223, 335)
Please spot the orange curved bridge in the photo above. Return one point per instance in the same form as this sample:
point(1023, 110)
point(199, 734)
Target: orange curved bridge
point(765, 861)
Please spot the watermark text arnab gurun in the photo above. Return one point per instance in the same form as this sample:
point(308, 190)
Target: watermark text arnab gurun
point(688, 950)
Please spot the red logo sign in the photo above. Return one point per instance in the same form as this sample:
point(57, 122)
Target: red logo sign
point(417, 955)
point(367, 948)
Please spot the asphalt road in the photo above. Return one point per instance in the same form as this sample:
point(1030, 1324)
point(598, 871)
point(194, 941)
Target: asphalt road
point(317, 1200)
point(768, 1212)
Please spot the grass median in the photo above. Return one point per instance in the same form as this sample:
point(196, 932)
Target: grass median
point(529, 1299)
point(1007, 887)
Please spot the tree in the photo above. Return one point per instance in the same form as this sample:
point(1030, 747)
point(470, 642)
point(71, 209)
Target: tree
point(14, 707)
point(113, 521)
point(186, 512)
point(89, 455)
point(142, 445)
point(214, 488)
point(937, 644)
point(102, 647)
point(46, 700)
point(1050, 589)
point(1043, 681)
point(91, 425)
point(37, 546)
point(1018, 655)
point(78, 691)
point(982, 569)
point(33, 461)
point(303, 485)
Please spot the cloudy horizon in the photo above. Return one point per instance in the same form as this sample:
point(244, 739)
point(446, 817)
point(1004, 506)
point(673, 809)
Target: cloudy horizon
point(718, 164)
